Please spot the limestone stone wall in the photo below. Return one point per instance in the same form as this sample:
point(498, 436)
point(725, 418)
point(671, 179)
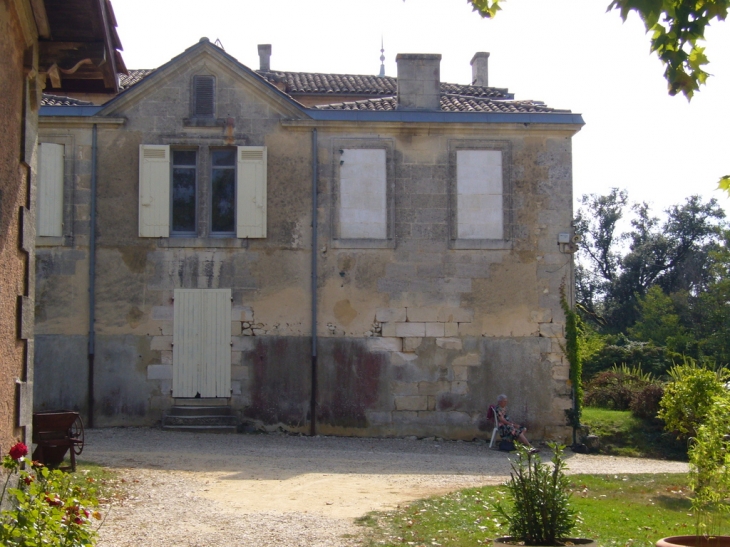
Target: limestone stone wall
point(418, 335)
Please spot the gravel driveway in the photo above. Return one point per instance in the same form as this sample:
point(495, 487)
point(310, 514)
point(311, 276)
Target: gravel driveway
point(206, 490)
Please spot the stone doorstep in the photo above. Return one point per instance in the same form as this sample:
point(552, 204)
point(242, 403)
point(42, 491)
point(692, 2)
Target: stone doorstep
point(192, 401)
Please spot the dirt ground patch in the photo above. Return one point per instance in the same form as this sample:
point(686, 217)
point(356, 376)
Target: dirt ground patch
point(195, 490)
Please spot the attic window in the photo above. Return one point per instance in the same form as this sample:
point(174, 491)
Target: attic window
point(203, 96)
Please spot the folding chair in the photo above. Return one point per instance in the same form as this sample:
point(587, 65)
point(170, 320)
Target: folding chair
point(492, 413)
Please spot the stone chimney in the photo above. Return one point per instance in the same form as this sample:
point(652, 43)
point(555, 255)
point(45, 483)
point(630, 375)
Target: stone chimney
point(419, 81)
point(265, 57)
point(480, 69)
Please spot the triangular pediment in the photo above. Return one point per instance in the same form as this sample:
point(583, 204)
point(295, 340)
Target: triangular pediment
point(206, 58)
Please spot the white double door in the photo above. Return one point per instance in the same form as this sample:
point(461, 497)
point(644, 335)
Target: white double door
point(201, 351)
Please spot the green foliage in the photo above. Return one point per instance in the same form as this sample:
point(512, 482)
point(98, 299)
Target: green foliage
point(46, 508)
point(709, 461)
point(724, 184)
point(572, 354)
point(658, 322)
point(676, 26)
point(645, 403)
point(691, 395)
point(616, 388)
point(618, 350)
point(540, 511)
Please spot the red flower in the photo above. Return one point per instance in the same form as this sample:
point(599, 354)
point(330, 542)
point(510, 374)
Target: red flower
point(77, 520)
point(18, 450)
point(27, 480)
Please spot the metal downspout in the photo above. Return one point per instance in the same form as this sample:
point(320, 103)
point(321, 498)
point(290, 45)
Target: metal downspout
point(92, 280)
point(313, 400)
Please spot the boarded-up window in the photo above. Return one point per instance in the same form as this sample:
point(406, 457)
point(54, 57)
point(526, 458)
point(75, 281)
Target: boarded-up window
point(50, 189)
point(479, 207)
point(201, 351)
point(363, 194)
point(203, 97)
point(154, 190)
point(251, 192)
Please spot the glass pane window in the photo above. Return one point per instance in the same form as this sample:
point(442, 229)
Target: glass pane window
point(223, 191)
point(184, 175)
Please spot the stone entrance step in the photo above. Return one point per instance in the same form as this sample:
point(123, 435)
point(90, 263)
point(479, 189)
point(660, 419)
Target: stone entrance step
point(210, 419)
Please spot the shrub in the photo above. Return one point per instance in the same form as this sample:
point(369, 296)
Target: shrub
point(540, 513)
point(620, 350)
point(616, 388)
point(45, 508)
point(645, 403)
point(690, 396)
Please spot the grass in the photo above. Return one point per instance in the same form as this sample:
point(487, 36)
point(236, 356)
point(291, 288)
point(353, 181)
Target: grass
point(622, 434)
point(616, 510)
point(109, 487)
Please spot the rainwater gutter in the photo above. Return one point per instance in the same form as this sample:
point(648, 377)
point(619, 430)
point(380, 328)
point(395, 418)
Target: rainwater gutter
point(313, 390)
point(92, 280)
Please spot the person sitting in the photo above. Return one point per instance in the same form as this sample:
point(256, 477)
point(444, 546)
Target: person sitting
point(507, 428)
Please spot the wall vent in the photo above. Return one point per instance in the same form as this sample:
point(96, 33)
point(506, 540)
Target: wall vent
point(204, 96)
point(155, 153)
point(252, 155)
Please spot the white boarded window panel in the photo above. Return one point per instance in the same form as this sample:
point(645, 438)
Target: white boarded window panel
point(363, 197)
point(50, 189)
point(201, 351)
point(251, 192)
point(479, 205)
point(154, 190)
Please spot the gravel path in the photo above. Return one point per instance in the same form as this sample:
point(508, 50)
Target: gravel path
point(203, 490)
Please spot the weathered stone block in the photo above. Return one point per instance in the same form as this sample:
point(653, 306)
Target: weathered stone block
point(160, 402)
point(456, 315)
point(159, 372)
point(259, 332)
point(235, 328)
point(461, 373)
point(161, 343)
point(379, 418)
point(387, 329)
point(166, 357)
point(551, 330)
point(434, 330)
point(242, 313)
point(242, 343)
point(451, 330)
point(468, 360)
point(449, 343)
point(541, 316)
point(385, 344)
point(162, 313)
point(235, 387)
point(561, 372)
point(422, 315)
point(387, 315)
point(411, 344)
point(411, 402)
point(410, 329)
point(459, 388)
point(433, 388)
point(402, 358)
point(404, 388)
point(236, 358)
point(167, 327)
point(408, 417)
point(239, 373)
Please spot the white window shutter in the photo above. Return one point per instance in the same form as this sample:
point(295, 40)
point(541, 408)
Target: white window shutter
point(154, 190)
point(50, 189)
point(251, 192)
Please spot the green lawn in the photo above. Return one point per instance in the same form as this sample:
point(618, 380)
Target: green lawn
point(622, 434)
point(617, 510)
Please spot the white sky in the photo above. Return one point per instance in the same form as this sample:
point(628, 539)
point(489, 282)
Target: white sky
point(567, 53)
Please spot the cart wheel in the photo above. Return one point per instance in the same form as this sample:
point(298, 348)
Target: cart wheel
point(76, 432)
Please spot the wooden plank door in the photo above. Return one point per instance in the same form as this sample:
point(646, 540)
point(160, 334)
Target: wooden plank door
point(201, 352)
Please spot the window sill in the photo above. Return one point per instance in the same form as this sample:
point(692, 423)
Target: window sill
point(53, 241)
point(203, 242)
point(363, 243)
point(481, 244)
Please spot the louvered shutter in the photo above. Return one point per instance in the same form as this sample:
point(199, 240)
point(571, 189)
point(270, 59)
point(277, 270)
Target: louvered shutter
point(50, 189)
point(204, 90)
point(154, 190)
point(251, 192)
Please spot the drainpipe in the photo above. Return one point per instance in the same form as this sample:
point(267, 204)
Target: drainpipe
point(92, 279)
point(313, 400)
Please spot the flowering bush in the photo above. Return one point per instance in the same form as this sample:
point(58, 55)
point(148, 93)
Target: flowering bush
point(46, 508)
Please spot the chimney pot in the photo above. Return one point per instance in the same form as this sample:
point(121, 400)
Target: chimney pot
point(265, 57)
point(480, 69)
point(419, 81)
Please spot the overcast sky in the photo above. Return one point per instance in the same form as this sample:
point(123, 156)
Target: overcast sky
point(568, 53)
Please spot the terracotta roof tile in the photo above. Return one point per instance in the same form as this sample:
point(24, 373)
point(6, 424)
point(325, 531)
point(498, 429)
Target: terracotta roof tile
point(449, 103)
point(57, 100)
point(135, 76)
point(357, 84)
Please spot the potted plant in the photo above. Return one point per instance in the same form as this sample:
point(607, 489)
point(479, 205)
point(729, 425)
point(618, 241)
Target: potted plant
point(539, 512)
point(709, 479)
